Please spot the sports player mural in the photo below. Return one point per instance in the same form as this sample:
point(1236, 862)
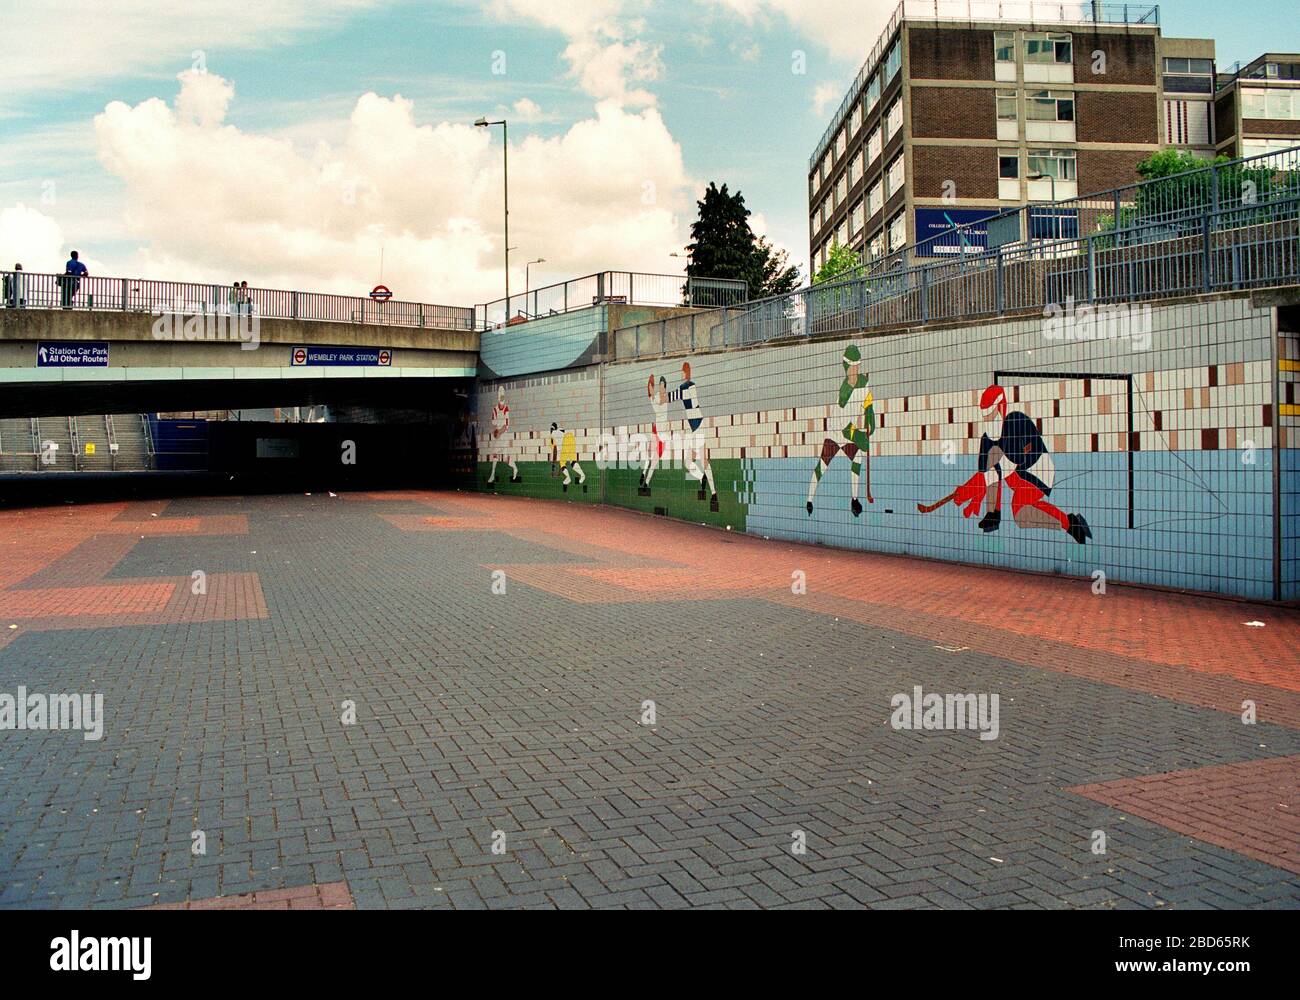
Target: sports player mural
point(696, 452)
point(1012, 453)
point(853, 415)
point(499, 445)
point(564, 453)
point(659, 407)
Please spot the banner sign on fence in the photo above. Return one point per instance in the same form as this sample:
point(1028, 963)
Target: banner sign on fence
point(72, 354)
point(332, 357)
point(937, 234)
point(1003, 230)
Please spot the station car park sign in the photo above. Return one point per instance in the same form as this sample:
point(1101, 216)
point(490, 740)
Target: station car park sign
point(341, 357)
point(72, 354)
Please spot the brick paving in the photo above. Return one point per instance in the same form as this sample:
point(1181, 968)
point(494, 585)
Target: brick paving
point(516, 719)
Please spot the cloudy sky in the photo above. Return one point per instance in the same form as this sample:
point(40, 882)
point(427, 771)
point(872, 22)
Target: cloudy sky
point(296, 143)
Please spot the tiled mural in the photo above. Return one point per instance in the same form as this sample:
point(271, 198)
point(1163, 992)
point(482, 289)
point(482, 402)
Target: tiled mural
point(1147, 457)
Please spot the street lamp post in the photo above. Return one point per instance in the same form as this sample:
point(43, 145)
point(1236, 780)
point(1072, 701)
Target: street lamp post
point(539, 260)
point(687, 255)
point(505, 166)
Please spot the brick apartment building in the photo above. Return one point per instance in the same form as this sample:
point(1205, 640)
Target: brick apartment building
point(1257, 108)
point(959, 114)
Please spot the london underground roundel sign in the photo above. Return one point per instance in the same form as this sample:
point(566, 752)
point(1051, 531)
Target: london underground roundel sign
point(380, 293)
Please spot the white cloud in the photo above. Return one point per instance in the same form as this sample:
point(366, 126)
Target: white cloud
point(209, 201)
point(825, 97)
point(604, 55)
point(31, 238)
point(845, 28)
point(527, 111)
point(72, 45)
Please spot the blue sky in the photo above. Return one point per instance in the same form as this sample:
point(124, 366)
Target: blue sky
point(692, 91)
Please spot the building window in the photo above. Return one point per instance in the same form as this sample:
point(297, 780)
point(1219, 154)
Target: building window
point(855, 119)
point(876, 248)
point(855, 220)
point(1197, 66)
point(1049, 106)
point(839, 145)
point(1058, 163)
point(894, 122)
point(875, 199)
point(894, 179)
point(1006, 105)
point(894, 61)
point(1258, 147)
point(842, 234)
point(874, 143)
point(1004, 46)
point(1189, 76)
point(1280, 104)
point(873, 93)
point(861, 161)
point(898, 231)
point(841, 191)
point(1048, 47)
point(849, 175)
point(1008, 165)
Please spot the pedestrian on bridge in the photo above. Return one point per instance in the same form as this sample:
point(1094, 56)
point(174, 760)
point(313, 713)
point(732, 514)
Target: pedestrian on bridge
point(73, 272)
point(15, 291)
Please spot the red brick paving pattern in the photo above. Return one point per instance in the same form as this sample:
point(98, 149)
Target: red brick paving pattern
point(326, 896)
point(1252, 808)
point(1192, 649)
point(54, 566)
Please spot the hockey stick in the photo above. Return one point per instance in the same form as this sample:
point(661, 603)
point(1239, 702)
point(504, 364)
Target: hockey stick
point(930, 508)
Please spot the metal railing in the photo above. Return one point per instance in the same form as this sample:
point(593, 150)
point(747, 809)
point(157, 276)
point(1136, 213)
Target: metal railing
point(32, 290)
point(1174, 202)
point(1228, 243)
point(1013, 11)
point(613, 287)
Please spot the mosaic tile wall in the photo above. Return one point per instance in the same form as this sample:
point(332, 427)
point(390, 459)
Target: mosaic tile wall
point(1044, 470)
point(1289, 432)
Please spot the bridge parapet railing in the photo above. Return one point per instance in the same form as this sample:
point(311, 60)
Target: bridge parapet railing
point(633, 288)
point(1235, 248)
point(35, 290)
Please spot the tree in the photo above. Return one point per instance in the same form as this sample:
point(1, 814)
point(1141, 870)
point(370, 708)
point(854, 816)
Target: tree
point(840, 262)
point(724, 246)
point(1179, 187)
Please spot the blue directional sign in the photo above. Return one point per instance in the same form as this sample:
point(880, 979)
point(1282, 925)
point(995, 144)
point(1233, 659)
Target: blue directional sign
point(331, 357)
point(72, 354)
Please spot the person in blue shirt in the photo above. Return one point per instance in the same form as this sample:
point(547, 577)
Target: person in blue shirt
point(73, 272)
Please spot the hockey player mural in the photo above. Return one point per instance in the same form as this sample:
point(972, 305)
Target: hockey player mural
point(1012, 454)
point(853, 416)
point(695, 451)
point(655, 449)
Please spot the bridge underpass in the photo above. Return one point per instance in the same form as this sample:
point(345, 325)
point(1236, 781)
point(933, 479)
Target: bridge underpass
point(396, 396)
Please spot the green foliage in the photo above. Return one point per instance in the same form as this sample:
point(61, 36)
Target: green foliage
point(840, 262)
point(1180, 187)
point(724, 246)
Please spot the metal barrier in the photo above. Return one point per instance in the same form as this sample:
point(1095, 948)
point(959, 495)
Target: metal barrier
point(1236, 244)
point(1176, 202)
point(615, 287)
point(30, 290)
